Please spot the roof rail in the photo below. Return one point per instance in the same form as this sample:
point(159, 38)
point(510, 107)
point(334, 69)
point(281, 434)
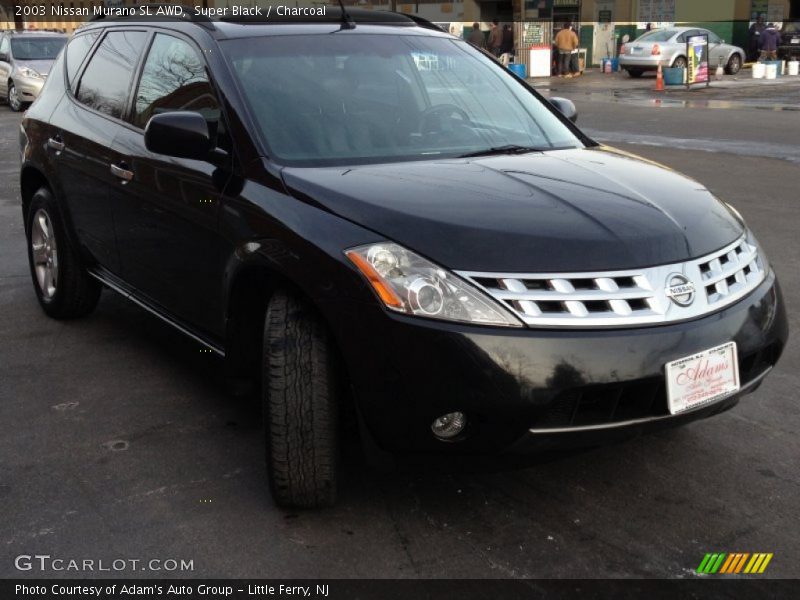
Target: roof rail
point(168, 15)
point(423, 22)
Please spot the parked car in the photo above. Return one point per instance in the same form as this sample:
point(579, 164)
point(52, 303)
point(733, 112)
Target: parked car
point(668, 47)
point(789, 48)
point(368, 216)
point(25, 61)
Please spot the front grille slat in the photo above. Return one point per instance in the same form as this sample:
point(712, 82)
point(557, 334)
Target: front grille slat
point(623, 298)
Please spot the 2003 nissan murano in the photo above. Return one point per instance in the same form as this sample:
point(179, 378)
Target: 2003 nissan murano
point(361, 211)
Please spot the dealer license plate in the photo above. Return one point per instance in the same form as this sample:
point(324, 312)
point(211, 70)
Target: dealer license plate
point(636, 50)
point(796, 40)
point(702, 378)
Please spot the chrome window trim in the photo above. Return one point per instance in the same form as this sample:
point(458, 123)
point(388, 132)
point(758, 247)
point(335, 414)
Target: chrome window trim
point(720, 279)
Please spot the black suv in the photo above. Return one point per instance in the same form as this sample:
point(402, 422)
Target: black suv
point(368, 212)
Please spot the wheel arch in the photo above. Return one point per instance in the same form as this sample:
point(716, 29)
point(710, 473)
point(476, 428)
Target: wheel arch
point(31, 178)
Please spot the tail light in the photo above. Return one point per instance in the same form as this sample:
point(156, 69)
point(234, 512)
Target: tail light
point(656, 50)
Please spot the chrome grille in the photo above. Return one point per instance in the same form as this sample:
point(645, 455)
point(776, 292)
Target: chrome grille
point(618, 298)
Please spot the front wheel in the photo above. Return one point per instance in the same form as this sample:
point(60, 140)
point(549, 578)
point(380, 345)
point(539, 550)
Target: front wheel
point(734, 65)
point(63, 287)
point(300, 403)
point(14, 102)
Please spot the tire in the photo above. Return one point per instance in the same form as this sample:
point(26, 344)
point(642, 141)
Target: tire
point(734, 64)
point(635, 73)
point(14, 103)
point(679, 62)
point(300, 404)
point(63, 287)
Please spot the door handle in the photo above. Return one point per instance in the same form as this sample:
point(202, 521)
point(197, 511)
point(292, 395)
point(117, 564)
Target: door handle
point(124, 174)
point(55, 144)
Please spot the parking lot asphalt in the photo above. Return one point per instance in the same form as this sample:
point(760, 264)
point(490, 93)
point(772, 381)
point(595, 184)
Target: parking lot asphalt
point(118, 442)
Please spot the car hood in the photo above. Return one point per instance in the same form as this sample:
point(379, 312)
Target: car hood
point(40, 66)
point(565, 210)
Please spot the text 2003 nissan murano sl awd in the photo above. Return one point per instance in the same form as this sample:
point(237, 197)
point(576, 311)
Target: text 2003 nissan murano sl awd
point(377, 216)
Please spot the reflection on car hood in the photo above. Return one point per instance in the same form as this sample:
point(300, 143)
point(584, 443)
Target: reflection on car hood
point(40, 66)
point(565, 210)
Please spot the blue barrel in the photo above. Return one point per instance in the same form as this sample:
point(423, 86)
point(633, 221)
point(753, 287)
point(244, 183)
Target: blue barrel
point(517, 69)
point(615, 64)
point(673, 75)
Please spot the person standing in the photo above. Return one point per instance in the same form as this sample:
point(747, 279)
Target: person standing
point(754, 38)
point(508, 40)
point(495, 38)
point(566, 41)
point(769, 41)
point(476, 38)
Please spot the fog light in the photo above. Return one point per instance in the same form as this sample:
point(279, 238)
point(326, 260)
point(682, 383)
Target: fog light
point(449, 426)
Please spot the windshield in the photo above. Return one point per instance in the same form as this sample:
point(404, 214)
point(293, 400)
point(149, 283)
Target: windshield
point(658, 35)
point(791, 27)
point(37, 48)
point(357, 98)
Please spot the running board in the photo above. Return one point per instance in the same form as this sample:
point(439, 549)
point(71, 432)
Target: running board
point(112, 283)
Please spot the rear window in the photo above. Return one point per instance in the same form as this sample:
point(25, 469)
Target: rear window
point(658, 35)
point(106, 82)
point(30, 48)
point(76, 53)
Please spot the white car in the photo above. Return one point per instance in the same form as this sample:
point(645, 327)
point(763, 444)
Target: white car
point(668, 47)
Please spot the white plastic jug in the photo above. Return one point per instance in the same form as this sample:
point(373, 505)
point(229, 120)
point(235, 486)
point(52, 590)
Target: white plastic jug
point(794, 67)
point(771, 72)
point(758, 70)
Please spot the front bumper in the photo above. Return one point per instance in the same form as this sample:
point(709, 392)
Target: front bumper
point(527, 390)
point(28, 88)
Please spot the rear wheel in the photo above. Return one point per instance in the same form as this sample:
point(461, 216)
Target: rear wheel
point(14, 102)
point(63, 287)
point(300, 403)
point(635, 73)
point(734, 64)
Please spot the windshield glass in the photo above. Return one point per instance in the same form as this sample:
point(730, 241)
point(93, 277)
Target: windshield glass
point(658, 35)
point(37, 48)
point(356, 98)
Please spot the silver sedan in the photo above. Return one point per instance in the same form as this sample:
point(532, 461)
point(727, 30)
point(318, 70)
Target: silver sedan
point(668, 47)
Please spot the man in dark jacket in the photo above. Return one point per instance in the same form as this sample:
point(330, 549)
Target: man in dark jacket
point(769, 41)
point(508, 40)
point(754, 38)
point(495, 38)
point(476, 38)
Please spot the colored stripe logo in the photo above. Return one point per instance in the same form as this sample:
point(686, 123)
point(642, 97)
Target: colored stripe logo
point(734, 562)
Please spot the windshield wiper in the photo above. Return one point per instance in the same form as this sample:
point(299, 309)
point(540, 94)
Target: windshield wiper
point(507, 149)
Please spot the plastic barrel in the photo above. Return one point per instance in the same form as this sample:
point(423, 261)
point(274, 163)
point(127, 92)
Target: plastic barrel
point(615, 64)
point(673, 75)
point(518, 69)
point(794, 67)
point(772, 71)
point(778, 67)
point(759, 70)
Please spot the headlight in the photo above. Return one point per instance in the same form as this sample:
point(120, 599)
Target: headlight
point(407, 283)
point(30, 73)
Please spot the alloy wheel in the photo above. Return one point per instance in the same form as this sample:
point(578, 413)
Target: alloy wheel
point(13, 98)
point(45, 253)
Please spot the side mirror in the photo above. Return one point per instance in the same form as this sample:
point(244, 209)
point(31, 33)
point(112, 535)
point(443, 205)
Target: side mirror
point(182, 134)
point(3, 57)
point(566, 107)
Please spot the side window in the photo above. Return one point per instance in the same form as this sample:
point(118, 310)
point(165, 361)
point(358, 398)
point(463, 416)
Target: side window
point(713, 38)
point(5, 45)
point(174, 78)
point(77, 50)
point(107, 79)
